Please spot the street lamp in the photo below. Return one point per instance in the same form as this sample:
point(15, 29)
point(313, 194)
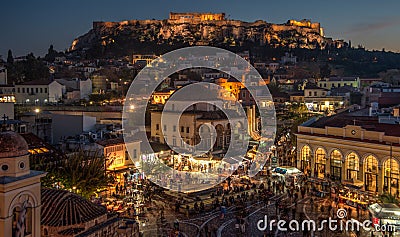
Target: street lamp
point(37, 111)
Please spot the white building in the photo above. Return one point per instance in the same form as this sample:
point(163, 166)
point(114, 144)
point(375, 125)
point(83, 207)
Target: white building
point(3, 76)
point(328, 83)
point(39, 92)
point(83, 87)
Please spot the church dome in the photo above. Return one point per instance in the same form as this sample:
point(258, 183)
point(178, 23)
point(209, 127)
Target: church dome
point(12, 145)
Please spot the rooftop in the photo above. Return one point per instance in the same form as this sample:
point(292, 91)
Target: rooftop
point(63, 208)
point(111, 142)
point(33, 173)
point(37, 82)
point(12, 145)
point(342, 79)
point(366, 122)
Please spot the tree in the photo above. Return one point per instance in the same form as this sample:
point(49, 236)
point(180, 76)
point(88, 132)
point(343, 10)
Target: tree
point(388, 198)
point(10, 58)
point(324, 71)
point(84, 171)
point(51, 54)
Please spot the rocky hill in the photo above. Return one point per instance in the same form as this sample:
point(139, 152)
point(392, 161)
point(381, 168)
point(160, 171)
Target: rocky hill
point(201, 29)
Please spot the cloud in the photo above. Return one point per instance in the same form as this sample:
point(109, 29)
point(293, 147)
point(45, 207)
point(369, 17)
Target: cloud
point(372, 27)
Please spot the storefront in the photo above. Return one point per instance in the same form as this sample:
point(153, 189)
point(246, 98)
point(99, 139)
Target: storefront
point(353, 196)
point(391, 177)
point(319, 187)
point(352, 166)
point(336, 165)
point(320, 163)
point(305, 161)
point(371, 173)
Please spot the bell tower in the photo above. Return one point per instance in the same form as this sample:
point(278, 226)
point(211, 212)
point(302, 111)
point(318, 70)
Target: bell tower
point(20, 194)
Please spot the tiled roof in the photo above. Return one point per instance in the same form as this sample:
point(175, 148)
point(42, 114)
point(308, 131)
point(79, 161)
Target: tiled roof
point(342, 78)
point(63, 208)
point(369, 123)
point(12, 144)
point(111, 142)
point(389, 99)
point(313, 86)
point(37, 82)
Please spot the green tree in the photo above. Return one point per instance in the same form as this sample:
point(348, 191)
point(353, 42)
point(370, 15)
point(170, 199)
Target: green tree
point(388, 198)
point(84, 171)
point(51, 54)
point(324, 71)
point(10, 58)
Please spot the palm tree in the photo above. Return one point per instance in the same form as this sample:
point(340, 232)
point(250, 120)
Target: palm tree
point(83, 171)
point(388, 198)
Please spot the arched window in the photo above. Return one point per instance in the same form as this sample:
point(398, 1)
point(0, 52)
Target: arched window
point(352, 166)
point(336, 165)
point(22, 221)
point(371, 173)
point(305, 159)
point(320, 163)
point(391, 177)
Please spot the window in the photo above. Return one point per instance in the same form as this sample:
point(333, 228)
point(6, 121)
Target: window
point(18, 89)
point(309, 93)
point(165, 128)
point(157, 127)
point(324, 84)
point(37, 90)
point(45, 90)
point(174, 128)
point(315, 93)
point(182, 129)
point(41, 90)
point(23, 90)
point(305, 158)
point(134, 153)
point(174, 141)
point(187, 129)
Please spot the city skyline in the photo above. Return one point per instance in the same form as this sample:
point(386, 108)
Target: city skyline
point(368, 23)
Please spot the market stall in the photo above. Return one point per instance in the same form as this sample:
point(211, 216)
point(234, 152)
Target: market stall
point(319, 187)
point(354, 197)
point(386, 214)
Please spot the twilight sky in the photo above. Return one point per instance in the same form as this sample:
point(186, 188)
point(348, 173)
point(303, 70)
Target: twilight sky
point(31, 26)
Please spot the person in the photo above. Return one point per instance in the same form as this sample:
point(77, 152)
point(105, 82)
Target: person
point(294, 208)
point(223, 212)
point(242, 225)
point(312, 204)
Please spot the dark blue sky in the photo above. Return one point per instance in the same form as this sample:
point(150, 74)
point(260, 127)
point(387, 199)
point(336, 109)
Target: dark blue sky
point(31, 26)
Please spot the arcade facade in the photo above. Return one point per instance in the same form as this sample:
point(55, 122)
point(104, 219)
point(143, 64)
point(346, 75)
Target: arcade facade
point(351, 154)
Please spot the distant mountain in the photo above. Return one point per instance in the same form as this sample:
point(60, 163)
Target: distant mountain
point(184, 29)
